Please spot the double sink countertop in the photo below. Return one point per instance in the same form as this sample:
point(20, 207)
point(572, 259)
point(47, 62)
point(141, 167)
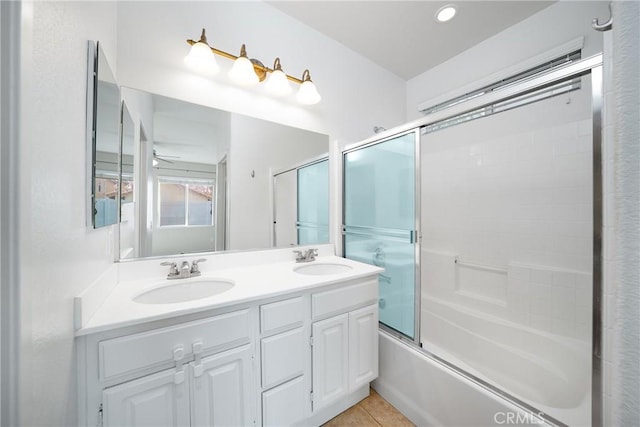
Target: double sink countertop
point(254, 281)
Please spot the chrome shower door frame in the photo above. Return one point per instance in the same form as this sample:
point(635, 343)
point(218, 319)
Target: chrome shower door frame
point(417, 233)
point(589, 66)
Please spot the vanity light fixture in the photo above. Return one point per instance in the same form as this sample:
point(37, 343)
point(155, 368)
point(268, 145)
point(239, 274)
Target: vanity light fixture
point(445, 13)
point(277, 83)
point(308, 94)
point(242, 71)
point(248, 71)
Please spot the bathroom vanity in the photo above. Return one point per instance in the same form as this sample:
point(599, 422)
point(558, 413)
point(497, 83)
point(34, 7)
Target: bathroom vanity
point(284, 344)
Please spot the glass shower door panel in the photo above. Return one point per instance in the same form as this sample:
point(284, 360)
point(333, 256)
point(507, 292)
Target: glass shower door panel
point(313, 203)
point(379, 223)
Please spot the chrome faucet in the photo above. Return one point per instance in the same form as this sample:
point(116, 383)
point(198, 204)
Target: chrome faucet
point(186, 270)
point(306, 256)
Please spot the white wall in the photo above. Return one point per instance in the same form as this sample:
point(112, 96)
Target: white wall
point(356, 93)
point(140, 105)
point(264, 148)
point(183, 240)
point(549, 28)
point(622, 222)
point(60, 257)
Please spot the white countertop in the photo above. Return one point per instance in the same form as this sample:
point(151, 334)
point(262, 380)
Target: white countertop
point(251, 282)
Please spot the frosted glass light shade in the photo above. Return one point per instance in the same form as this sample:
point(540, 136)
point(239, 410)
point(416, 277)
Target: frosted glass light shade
point(243, 73)
point(201, 59)
point(446, 13)
point(277, 84)
point(308, 94)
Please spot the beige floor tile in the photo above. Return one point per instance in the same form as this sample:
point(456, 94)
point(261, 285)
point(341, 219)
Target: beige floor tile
point(373, 411)
point(354, 416)
point(383, 412)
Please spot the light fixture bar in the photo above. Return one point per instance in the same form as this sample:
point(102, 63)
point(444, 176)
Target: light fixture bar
point(232, 57)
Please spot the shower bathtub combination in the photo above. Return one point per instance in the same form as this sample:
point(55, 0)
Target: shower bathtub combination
point(485, 215)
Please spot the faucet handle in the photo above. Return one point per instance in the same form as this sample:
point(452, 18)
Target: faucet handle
point(299, 255)
point(194, 265)
point(173, 268)
point(312, 254)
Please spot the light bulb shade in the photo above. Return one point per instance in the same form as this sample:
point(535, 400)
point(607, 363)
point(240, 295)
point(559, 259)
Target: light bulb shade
point(308, 94)
point(201, 59)
point(243, 73)
point(278, 84)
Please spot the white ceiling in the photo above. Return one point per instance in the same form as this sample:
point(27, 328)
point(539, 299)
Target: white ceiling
point(403, 36)
point(188, 132)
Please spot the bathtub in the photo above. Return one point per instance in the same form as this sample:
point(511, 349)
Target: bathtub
point(550, 373)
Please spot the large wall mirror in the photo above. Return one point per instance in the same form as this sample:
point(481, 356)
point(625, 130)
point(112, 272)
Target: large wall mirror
point(203, 179)
point(103, 141)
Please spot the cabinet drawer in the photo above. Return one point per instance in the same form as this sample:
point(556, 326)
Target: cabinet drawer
point(127, 354)
point(281, 314)
point(284, 356)
point(343, 299)
point(286, 405)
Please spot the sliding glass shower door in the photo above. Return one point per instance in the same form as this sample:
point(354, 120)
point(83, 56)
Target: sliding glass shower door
point(380, 222)
point(313, 203)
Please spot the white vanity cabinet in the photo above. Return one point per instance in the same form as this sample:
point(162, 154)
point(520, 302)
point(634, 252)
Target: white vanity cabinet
point(285, 356)
point(214, 392)
point(153, 400)
point(199, 372)
point(299, 358)
point(345, 342)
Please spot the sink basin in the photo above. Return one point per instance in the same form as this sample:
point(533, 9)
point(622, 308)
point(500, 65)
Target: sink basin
point(183, 290)
point(322, 269)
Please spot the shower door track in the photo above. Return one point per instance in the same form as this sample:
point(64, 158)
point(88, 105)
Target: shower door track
point(588, 66)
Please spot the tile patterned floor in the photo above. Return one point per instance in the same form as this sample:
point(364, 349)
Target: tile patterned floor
point(373, 411)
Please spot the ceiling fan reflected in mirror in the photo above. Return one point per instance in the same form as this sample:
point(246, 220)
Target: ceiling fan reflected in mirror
point(157, 158)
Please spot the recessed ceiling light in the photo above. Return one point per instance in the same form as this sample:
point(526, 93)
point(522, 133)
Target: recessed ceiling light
point(445, 13)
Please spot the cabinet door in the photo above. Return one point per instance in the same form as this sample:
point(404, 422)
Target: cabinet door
point(223, 390)
point(330, 360)
point(154, 400)
point(363, 346)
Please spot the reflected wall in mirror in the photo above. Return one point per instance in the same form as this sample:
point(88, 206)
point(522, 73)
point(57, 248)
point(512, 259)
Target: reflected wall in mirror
point(204, 177)
point(127, 150)
point(103, 121)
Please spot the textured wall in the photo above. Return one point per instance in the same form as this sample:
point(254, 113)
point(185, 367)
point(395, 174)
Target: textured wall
point(624, 378)
point(59, 255)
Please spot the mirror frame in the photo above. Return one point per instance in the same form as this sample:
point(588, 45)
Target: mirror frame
point(93, 68)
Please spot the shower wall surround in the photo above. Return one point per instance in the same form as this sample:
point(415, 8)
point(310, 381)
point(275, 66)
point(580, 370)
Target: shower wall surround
point(507, 251)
